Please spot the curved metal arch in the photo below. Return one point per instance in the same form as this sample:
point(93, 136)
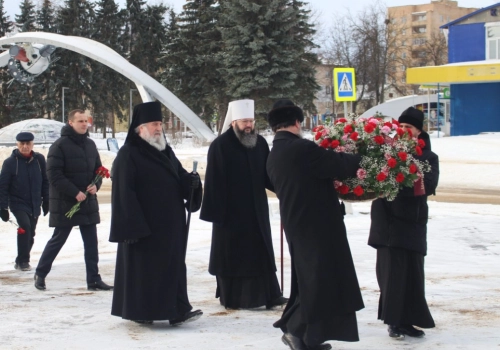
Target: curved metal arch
point(146, 85)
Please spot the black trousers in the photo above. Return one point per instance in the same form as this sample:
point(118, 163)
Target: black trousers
point(54, 245)
point(25, 241)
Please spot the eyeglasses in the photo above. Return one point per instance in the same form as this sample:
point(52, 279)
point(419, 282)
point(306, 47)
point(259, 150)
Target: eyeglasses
point(246, 121)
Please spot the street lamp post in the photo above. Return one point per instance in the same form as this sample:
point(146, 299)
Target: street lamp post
point(64, 88)
point(130, 109)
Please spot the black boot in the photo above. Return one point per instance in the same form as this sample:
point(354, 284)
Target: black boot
point(189, 316)
point(295, 343)
point(39, 282)
point(411, 331)
point(143, 321)
point(277, 302)
point(98, 285)
point(395, 333)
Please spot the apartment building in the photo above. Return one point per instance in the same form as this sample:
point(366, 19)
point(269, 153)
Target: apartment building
point(418, 39)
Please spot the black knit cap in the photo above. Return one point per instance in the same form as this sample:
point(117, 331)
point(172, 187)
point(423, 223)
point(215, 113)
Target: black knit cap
point(25, 137)
point(283, 111)
point(144, 113)
point(413, 117)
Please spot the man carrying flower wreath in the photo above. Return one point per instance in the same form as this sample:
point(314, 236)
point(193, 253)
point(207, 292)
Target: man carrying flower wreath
point(399, 233)
point(325, 293)
point(72, 163)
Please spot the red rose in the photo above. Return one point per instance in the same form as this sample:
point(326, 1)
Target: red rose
point(413, 168)
point(409, 132)
point(342, 120)
point(369, 128)
point(358, 191)
point(318, 135)
point(325, 143)
point(20, 231)
point(391, 162)
point(421, 143)
point(388, 124)
point(335, 144)
point(318, 128)
point(354, 136)
point(381, 177)
point(400, 131)
point(400, 177)
point(347, 129)
point(379, 140)
point(402, 156)
point(418, 151)
point(343, 189)
point(394, 121)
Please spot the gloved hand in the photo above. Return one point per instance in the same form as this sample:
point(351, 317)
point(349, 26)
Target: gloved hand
point(131, 241)
point(4, 214)
point(194, 180)
point(45, 208)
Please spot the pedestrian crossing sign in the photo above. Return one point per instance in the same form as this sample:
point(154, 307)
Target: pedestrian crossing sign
point(344, 84)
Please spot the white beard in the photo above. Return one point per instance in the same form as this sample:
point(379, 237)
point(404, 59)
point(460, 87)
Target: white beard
point(157, 141)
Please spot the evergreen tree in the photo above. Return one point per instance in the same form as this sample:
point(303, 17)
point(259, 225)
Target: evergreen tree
point(25, 22)
point(5, 23)
point(45, 17)
point(191, 58)
point(132, 42)
point(5, 28)
point(264, 42)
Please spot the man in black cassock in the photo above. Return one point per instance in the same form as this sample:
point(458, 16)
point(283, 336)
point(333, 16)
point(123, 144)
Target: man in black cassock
point(325, 292)
point(399, 233)
point(148, 221)
point(235, 201)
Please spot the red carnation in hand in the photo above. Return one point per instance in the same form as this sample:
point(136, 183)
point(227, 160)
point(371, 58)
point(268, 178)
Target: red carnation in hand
point(348, 129)
point(400, 177)
point(400, 131)
point(402, 156)
point(379, 140)
point(418, 151)
point(341, 120)
point(409, 132)
point(325, 143)
point(343, 189)
point(318, 135)
point(413, 169)
point(358, 191)
point(394, 121)
point(318, 128)
point(421, 143)
point(335, 144)
point(20, 231)
point(381, 177)
point(388, 124)
point(369, 128)
point(354, 136)
point(391, 162)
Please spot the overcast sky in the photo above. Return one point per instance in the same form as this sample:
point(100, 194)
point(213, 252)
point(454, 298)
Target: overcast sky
point(326, 9)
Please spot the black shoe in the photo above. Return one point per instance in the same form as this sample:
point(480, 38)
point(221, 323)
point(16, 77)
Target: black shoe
point(411, 331)
point(98, 285)
point(22, 266)
point(188, 317)
point(277, 302)
point(395, 333)
point(295, 343)
point(39, 282)
point(143, 321)
point(323, 346)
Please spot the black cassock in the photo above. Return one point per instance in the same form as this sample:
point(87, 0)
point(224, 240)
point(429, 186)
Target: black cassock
point(235, 201)
point(149, 191)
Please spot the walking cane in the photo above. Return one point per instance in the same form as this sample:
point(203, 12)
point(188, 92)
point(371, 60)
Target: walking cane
point(195, 165)
point(282, 273)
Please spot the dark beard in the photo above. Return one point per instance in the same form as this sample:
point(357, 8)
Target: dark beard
point(248, 140)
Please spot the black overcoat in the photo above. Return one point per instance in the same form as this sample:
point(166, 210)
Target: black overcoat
point(149, 190)
point(322, 267)
point(23, 183)
point(72, 163)
point(402, 223)
point(235, 201)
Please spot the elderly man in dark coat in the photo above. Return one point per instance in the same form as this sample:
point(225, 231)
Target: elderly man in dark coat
point(235, 201)
point(24, 188)
point(72, 163)
point(148, 221)
point(399, 233)
point(325, 293)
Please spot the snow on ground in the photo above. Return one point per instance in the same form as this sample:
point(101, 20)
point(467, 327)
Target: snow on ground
point(463, 279)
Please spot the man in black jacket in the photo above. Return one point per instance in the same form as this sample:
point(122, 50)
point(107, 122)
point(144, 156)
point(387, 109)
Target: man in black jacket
point(72, 163)
point(325, 292)
point(23, 188)
point(399, 233)
point(148, 221)
point(235, 201)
